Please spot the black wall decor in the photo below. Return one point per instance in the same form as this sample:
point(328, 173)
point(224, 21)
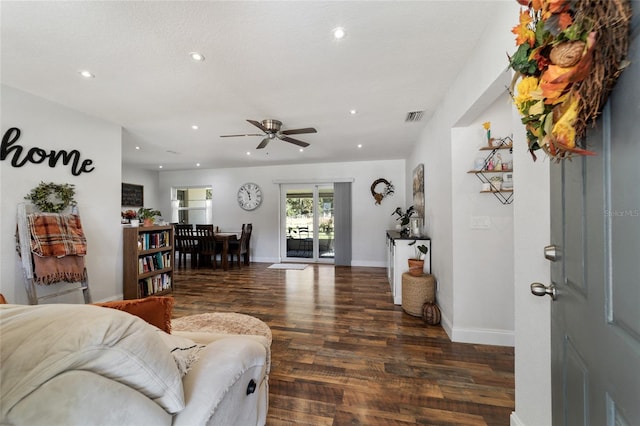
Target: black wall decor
point(132, 195)
point(38, 155)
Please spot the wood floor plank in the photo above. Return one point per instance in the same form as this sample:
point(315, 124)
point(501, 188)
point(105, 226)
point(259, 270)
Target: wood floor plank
point(343, 354)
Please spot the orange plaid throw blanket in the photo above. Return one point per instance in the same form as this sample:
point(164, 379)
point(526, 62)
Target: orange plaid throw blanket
point(56, 235)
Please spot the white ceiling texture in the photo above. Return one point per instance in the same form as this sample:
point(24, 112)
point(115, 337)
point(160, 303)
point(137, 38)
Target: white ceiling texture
point(263, 60)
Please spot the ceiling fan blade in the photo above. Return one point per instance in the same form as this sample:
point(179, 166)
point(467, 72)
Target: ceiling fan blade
point(299, 131)
point(264, 143)
point(258, 125)
point(293, 141)
point(246, 134)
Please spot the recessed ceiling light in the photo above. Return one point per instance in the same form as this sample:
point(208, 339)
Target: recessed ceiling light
point(198, 57)
point(160, 166)
point(301, 149)
point(86, 74)
point(248, 152)
point(197, 164)
point(353, 112)
point(339, 33)
point(194, 127)
point(137, 147)
point(359, 145)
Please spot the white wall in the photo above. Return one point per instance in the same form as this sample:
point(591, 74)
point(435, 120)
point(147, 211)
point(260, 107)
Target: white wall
point(51, 126)
point(474, 90)
point(482, 258)
point(369, 220)
point(476, 87)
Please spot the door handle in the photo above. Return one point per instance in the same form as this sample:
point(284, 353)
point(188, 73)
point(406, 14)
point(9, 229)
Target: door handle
point(538, 289)
point(552, 252)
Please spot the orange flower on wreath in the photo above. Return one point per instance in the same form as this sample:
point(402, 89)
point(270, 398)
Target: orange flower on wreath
point(523, 31)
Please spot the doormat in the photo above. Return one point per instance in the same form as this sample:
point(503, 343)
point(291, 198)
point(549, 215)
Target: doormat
point(288, 266)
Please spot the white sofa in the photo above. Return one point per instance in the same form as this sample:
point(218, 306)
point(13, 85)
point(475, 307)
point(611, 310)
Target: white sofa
point(87, 365)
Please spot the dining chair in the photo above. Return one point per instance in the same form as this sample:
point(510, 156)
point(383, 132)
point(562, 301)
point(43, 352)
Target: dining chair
point(241, 247)
point(185, 244)
point(206, 245)
point(205, 226)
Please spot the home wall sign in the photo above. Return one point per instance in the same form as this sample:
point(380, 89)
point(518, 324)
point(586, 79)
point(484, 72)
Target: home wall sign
point(37, 155)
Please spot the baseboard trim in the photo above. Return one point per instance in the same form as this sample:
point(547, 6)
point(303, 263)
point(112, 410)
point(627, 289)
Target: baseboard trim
point(370, 264)
point(515, 420)
point(483, 336)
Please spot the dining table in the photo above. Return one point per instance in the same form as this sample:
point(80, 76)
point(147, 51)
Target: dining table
point(224, 238)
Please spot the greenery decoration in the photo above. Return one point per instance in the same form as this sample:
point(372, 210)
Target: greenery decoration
point(421, 249)
point(148, 213)
point(569, 56)
point(404, 217)
point(51, 197)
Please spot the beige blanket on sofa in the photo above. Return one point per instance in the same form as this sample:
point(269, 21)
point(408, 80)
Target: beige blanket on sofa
point(39, 342)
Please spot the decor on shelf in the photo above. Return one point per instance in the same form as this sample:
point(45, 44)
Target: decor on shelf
point(569, 57)
point(404, 218)
point(418, 190)
point(386, 191)
point(127, 215)
point(148, 215)
point(51, 197)
point(487, 128)
point(490, 168)
point(416, 264)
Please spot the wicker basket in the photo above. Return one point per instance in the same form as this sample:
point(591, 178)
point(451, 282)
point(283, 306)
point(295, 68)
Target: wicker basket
point(416, 291)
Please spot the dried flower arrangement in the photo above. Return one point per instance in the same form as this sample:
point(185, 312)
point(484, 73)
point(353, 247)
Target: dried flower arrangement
point(570, 55)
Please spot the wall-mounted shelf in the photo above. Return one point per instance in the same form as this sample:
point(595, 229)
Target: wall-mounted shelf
point(486, 173)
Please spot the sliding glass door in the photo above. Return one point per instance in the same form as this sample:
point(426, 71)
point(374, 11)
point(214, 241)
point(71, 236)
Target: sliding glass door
point(307, 223)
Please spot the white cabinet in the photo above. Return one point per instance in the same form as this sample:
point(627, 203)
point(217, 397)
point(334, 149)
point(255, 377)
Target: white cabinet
point(398, 252)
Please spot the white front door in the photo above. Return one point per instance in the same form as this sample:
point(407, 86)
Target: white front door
point(595, 233)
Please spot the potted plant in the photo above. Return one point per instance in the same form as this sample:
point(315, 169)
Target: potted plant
point(404, 218)
point(148, 215)
point(416, 264)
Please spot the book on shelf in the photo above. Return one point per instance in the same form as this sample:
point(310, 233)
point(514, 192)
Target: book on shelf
point(154, 284)
point(152, 240)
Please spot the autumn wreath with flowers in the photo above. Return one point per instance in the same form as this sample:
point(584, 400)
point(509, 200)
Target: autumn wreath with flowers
point(570, 54)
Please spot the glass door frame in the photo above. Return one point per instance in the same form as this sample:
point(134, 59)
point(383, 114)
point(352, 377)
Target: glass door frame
point(315, 189)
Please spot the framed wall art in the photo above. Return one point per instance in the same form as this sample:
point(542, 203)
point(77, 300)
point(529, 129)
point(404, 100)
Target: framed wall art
point(418, 190)
point(132, 195)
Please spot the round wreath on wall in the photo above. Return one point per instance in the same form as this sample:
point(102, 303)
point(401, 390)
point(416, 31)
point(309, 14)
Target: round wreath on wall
point(388, 189)
point(569, 57)
point(51, 197)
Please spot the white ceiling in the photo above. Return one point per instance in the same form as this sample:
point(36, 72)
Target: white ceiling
point(267, 59)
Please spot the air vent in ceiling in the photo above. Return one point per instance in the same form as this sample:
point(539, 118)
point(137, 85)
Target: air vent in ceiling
point(414, 116)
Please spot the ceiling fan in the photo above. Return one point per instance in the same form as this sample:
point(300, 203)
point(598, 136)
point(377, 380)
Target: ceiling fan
point(271, 129)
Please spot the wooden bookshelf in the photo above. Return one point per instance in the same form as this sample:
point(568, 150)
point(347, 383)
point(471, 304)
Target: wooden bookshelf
point(147, 265)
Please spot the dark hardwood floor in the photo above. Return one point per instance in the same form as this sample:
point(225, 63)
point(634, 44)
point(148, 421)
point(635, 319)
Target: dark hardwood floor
point(343, 354)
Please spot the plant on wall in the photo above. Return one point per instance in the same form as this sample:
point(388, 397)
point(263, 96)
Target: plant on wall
point(569, 56)
point(51, 197)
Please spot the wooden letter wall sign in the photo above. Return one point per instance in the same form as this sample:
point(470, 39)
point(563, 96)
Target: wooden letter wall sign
point(39, 155)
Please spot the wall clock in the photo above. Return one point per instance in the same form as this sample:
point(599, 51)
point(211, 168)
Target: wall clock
point(249, 196)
